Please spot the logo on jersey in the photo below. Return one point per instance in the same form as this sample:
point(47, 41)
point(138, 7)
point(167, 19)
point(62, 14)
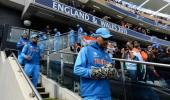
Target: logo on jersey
point(95, 54)
point(33, 49)
point(100, 61)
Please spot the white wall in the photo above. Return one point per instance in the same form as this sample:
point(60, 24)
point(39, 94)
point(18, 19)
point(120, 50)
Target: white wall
point(56, 91)
point(21, 2)
point(13, 85)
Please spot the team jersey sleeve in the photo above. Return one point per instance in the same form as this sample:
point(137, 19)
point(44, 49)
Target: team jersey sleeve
point(24, 51)
point(19, 45)
point(80, 67)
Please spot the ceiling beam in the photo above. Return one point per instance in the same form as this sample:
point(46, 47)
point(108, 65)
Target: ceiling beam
point(161, 9)
point(143, 4)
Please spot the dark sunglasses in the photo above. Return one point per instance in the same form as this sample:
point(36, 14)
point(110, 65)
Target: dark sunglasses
point(106, 39)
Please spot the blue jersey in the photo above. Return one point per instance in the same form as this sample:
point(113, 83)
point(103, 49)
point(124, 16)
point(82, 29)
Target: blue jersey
point(20, 44)
point(89, 57)
point(80, 30)
point(42, 42)
point(33, 51)
point(72, 37)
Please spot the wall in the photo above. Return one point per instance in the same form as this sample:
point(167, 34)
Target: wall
point(56, 91)
point(21, 2)
point(10, 16)
point(13, 85)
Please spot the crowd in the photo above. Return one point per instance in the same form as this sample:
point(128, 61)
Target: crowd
point(94, 64)
point(95, 68)
point(78, 38)
point(137, 28)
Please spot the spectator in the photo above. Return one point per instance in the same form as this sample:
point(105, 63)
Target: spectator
point(123, 24)
point(57, 40)
point(143, 31)
point(80, 33)
point(106, 18)
point(141, 69)
point(48, 30)
point(164, 57)
point(93, 12)
point(128, 54)
point(32, 54)
point(110, 49)
point(72, 3)
point(151, 72)
point(165, 38)
point(42, 42)
point(20, 44)
point(128, 25)
point(71, 36)
point(91, 65)
point(139, 29)
point(135, 28)
point(77, 47)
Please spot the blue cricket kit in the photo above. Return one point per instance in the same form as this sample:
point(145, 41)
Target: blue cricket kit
point(33, 51)
point(89, 57)
point(20, 45)
point(32, 66)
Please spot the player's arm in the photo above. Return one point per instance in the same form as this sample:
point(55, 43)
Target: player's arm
point(80, 67)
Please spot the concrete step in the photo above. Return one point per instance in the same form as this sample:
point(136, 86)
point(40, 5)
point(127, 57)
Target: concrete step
point(50, 99)
point(41, 89)
point(44, 94)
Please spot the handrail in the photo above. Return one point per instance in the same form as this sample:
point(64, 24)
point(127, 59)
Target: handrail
point(141, 62)
point(51, 37)
point(124, 60)
point(19, 28)
point(161, 91)
point(124, 81)
point(34, 91)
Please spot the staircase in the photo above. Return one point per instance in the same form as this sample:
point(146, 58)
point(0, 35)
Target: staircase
point(50, 45)
point(42, 91)
point(45, 95)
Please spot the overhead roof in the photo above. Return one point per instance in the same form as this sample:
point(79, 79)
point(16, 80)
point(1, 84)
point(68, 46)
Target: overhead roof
point(160, 6)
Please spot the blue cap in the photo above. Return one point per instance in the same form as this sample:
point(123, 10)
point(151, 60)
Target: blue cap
point(103, 32)
point(34, 35)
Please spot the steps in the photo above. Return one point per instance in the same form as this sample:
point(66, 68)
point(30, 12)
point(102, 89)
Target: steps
point(42, 92)
point(41, 89)
point(50, 99)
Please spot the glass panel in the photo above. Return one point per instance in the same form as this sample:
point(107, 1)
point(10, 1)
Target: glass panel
point(15, 34)
point(55, 67)
point(146, 82)
point(61, 70)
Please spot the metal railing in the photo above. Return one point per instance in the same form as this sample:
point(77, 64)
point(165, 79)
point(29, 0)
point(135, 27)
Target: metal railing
point(34, 90)
point(64, 69)
point(56, 43)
